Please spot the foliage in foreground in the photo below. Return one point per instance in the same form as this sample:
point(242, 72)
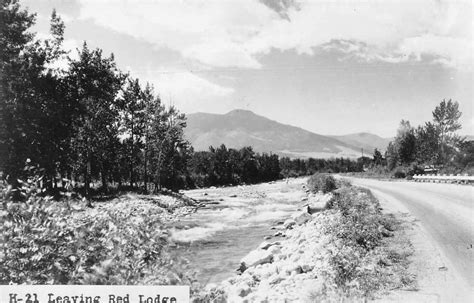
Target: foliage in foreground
point(368, 250)
point(44, 243)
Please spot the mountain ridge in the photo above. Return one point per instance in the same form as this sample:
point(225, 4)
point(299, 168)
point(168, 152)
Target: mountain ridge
point(239, 128)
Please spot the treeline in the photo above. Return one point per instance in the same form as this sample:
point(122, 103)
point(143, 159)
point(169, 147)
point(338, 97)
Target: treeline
point(435, 144)
point(89, 121)
point(223, 166)
point(305, 167)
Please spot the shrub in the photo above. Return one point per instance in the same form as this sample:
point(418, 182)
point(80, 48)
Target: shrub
point(356, 247)
point(321, 182)
point(361, 217)
point(399, 173)
point(342, 182)
point(45, 243)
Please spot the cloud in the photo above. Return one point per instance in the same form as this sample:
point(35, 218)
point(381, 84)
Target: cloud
point(231, 33)
point(212, 32)
point(68, 45)
point(186, 90)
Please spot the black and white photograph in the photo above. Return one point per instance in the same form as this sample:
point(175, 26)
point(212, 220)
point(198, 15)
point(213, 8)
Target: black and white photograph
point(171, 151)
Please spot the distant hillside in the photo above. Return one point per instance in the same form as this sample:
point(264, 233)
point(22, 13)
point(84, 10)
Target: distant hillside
point(366, 141)
point(240, 128)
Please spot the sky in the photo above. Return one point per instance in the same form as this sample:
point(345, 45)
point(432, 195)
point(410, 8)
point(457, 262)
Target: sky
point(331, 67)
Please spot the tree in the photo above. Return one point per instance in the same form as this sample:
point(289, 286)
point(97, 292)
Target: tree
point(33, 124)
point(168, 150)
point(133, 122)
point(405, 143)
point(153, 111)
point(446, 119)
point(93, 85)
point(391, 155)
point(377, 158)
point(427, 144)
point(465, 158)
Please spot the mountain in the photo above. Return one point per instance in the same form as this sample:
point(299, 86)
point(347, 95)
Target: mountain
point(240, 128)
point(365, 141)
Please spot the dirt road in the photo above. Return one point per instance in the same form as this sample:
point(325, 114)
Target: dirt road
point(444, 221)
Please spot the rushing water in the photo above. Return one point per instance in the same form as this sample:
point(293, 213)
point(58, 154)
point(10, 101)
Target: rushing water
point(234, 221)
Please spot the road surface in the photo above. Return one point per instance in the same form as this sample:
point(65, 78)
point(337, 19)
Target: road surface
point(445, 211)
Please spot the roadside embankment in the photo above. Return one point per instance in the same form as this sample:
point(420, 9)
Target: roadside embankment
point(340, 247)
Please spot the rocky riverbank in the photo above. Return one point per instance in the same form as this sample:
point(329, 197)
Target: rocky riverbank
point(311, 260)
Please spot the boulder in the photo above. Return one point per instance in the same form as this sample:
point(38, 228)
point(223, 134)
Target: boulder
point(254, 258)
point(289, 223)
point(266, 245)
point(315, 207)
point(243, 290)
point(301, 217)
point(274, 250)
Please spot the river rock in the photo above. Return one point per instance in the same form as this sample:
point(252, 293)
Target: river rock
point(274, 250)
point(301, 218)
point(254, 258)
point(275, 279)
point(279, 234)
point(289, 223)
point(315, 207)
point(266, 245)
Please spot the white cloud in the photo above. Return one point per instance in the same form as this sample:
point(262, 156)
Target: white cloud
point(456, 52)
point(230, 33)
point(186, 90)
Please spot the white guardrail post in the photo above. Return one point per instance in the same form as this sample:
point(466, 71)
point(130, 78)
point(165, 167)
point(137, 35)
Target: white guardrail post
point(462, 179)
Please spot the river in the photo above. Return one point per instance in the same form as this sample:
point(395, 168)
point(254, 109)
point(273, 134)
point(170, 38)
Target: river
point(234, 221)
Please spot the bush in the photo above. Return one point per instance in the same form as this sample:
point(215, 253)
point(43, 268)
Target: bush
point(361, 217)
point(46, 244)
point(321, 182)
point(399, 173)
point(358, 253)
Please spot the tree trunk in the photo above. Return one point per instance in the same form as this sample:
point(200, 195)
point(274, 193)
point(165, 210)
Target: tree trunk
point(103, 176)
point(145, 171)
point(131, 158)
point(87, 179)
